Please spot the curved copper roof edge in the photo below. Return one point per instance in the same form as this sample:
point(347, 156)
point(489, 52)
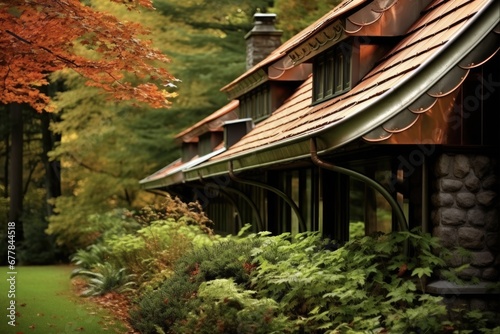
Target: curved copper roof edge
point(383, 133)
point(431, 71)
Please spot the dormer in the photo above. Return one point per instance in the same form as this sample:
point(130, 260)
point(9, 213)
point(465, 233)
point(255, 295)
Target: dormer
point(347, 48)
point(235, 130)
point(206, 135)
point(189, 150)
point(270, 78)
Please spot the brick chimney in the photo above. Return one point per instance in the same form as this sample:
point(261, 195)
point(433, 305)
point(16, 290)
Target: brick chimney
point(262, 39)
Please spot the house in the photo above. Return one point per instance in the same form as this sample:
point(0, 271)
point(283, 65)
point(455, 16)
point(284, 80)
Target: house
point(382, 115)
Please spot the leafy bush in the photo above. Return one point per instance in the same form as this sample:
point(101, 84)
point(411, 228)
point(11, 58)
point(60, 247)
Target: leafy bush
point(145, 244)
point(266, 284)
point(173, 208)
point(226, 307)
point(367, 285)
point(151, 252)
point(105, 278)
point(91, 256)
point(169, 305)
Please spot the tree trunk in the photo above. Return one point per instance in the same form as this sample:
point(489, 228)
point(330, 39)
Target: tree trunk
point(16, 169)
point(7, 162)
point(52, 168)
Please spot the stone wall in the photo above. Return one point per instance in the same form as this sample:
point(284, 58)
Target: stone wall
point(465, 212)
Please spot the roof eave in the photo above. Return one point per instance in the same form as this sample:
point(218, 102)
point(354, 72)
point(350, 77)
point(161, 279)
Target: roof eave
point(386, 106)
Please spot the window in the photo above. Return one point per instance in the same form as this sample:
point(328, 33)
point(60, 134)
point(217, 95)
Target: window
point(256, 104)
point(332, 72)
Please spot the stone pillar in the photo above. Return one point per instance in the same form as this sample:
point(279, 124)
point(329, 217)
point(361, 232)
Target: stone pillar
point(465, 209)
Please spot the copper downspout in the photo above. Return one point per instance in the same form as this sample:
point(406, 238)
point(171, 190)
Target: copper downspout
point(403, 225)
point(278, 192)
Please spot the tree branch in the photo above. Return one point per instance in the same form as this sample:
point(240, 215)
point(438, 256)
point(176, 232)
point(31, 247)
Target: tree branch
point(66, 60)
point(90, 168)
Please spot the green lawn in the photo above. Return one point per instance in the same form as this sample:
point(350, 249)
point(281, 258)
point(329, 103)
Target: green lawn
point(46, 304)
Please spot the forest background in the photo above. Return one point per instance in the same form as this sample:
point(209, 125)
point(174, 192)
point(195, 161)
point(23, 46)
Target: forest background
point(86, 157)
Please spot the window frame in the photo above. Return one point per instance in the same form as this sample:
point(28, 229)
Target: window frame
point(332, 72)
point(256, 104)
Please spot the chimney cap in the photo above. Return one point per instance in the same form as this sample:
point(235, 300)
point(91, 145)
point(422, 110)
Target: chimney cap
point(264, 17)
point(264, 23)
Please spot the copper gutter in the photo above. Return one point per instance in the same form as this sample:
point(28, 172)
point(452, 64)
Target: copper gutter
point(382, 109)
point(278, 192)
point(403, 224)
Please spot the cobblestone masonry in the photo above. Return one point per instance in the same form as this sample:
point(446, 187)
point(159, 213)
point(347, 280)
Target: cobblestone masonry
point(465, 212)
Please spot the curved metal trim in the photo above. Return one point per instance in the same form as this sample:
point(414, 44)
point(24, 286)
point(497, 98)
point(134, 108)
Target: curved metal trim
point(403, 224)
point(226, 195)
point(278, 192)
point(260, 223)
point(377, 135)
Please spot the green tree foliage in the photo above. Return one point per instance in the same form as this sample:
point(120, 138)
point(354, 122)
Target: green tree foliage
point(33, 190)
point(104, 151)
point(106, 147)
point(295, 15)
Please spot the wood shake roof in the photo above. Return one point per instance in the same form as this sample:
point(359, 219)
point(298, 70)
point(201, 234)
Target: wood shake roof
point(441, 22)
point(408, 86)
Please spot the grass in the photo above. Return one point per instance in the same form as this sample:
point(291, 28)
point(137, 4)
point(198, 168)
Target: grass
point(47, 304)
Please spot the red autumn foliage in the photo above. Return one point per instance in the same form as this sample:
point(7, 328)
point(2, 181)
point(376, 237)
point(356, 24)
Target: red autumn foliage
point(39, 37)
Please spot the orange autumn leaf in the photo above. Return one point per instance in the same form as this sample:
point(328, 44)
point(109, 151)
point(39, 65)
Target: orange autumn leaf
point(43, 36)
point(402, 270)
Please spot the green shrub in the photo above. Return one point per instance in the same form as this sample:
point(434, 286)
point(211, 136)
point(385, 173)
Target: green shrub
point(173, 208)
point(228, 308)
point(164, 307)
point(265, 284)
point(145, 245)
point(91, 256)
point(169, 305)
point(151, 252)
point(105, 278)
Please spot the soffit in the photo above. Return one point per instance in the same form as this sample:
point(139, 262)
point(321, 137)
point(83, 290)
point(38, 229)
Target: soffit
point(297, 119)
